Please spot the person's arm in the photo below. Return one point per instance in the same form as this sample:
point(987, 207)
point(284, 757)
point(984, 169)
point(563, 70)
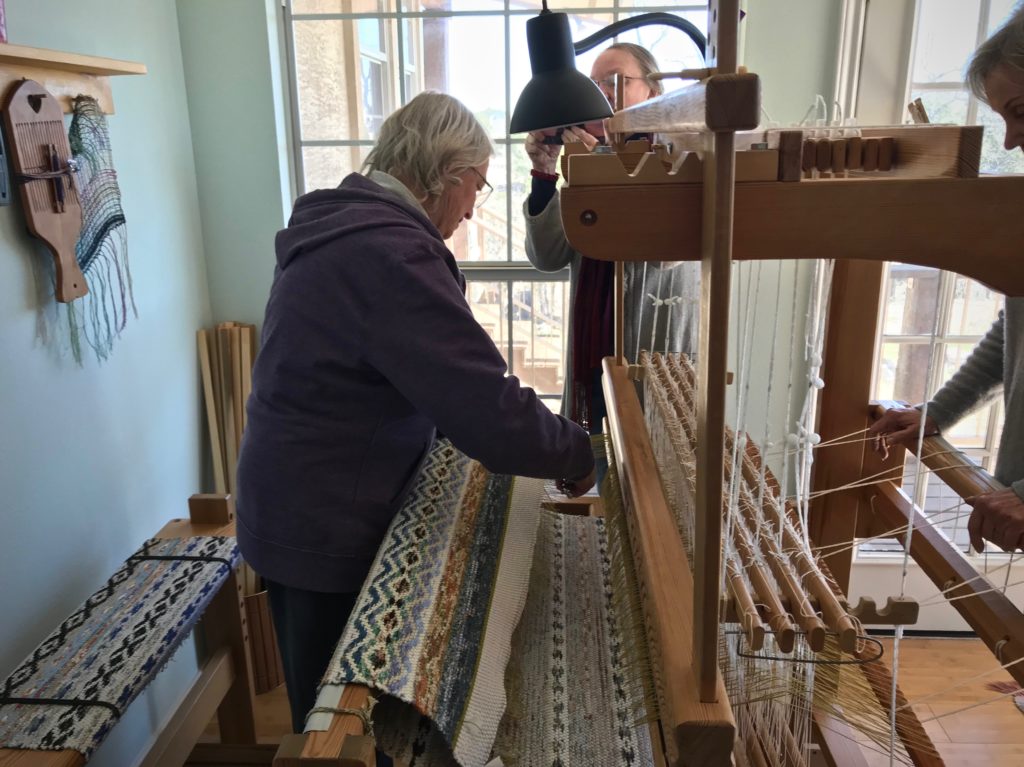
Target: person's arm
point(977, 381)
point(546, 246)
point(424, 339)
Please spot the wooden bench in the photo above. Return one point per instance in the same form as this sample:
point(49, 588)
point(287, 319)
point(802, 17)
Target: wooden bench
point(224, 684)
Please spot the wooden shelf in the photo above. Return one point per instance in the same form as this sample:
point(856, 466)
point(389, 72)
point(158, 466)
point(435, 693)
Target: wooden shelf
point(65, 75)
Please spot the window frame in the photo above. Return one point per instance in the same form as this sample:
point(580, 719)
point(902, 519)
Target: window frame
point(507, 271)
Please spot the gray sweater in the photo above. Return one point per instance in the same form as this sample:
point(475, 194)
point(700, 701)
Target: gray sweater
point(997, 363)
point(662, 299)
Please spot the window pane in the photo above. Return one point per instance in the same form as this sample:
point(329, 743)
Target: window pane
point(946, 37)
point(336, 83)
point(944, 106)
point(672, 48)
point(371, 35)
point(475, 66)
point(902, 371)
point(521, 184)
point(453, 5)
point(911, 298)
point(971, 430)
point(999, 12)
point(538, 337)
point(324, 167)
point(485, 236)
point(974, 308)
point(994, 158)
point(342, 6)
point(489, 302)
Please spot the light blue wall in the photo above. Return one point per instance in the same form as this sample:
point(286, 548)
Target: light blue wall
point(792, 45)
point(94, 459)
point(232, 64)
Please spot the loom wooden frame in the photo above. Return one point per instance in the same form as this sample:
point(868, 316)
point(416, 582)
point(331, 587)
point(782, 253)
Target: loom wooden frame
point(914, 219)
point(224, 685)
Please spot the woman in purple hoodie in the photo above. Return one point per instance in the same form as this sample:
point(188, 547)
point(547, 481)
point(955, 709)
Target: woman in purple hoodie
point(369, 349)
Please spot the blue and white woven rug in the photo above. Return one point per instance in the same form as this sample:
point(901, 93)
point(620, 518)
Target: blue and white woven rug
point(432, 629)
point(432, 632)
point(99, 659)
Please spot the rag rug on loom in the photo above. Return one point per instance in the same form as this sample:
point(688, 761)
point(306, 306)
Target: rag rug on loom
point(431, 633)
point(568, 697)
point(102, 656)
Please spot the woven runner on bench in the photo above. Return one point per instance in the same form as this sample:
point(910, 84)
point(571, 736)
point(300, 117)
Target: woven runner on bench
point(432, 629)
point(99, 659)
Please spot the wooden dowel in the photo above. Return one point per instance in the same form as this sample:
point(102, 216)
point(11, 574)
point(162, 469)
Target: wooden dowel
point(749, 619)
point(854, 153)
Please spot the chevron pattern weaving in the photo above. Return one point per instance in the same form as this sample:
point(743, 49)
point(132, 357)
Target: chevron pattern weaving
point(432, 630)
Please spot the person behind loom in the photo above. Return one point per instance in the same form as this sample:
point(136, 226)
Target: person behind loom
point(369, 349)
point(660, 298)
point(996, 76)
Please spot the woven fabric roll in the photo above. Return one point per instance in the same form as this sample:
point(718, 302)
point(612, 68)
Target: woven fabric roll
point(568, 700)
point(432, 630)
point(110, 648)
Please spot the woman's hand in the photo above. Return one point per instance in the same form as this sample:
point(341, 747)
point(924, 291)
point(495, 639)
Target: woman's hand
point(574, 133)
point(997, 517)
point(544, 156)
point(900, 425)
point(574, 488)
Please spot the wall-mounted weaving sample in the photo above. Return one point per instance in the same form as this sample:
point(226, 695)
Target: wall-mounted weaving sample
point(99, 659)
point(432, 629)
point(102, 249)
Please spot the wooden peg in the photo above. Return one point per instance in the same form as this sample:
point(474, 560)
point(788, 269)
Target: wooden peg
point(810, 155)
point(839, 155)
point(898, 611)
point(871, 147)
point(823, 157)
point(854, 153)
point(886, 152)
point(790, 155)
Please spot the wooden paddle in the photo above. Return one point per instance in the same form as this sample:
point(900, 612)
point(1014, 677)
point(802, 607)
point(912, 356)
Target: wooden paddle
point(38, 144)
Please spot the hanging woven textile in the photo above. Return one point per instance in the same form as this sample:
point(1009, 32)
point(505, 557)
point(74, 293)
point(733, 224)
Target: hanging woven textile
point(102, 250)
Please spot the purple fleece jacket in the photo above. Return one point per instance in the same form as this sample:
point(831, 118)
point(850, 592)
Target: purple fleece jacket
point(368, 346)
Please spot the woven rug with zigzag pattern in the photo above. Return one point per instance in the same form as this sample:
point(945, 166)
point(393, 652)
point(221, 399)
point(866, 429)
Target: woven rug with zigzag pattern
point(434, 630)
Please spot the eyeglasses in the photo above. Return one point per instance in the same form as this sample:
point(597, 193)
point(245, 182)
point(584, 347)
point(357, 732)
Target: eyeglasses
point(608, 82)
point(482, 194)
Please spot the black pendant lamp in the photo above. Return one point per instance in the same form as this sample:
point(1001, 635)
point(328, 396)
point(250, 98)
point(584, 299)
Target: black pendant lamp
point(558, 95)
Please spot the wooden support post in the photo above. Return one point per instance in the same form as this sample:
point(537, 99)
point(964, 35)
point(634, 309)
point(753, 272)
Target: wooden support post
point(849, 351)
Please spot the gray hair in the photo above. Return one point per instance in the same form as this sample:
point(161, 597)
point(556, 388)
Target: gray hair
point(1005, 46)
point(645, 60)
point(428, 141)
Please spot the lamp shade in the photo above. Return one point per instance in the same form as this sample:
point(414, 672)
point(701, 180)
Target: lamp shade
point(558, 94)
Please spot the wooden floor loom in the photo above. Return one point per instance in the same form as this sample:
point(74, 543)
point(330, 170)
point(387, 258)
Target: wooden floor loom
point(223, 685)
point(728, 192)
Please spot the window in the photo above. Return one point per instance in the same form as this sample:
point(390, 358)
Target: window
point(917, 301)
point(353, 62)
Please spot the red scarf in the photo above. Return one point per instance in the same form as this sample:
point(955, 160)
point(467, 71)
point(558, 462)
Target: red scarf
point(593, 332)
